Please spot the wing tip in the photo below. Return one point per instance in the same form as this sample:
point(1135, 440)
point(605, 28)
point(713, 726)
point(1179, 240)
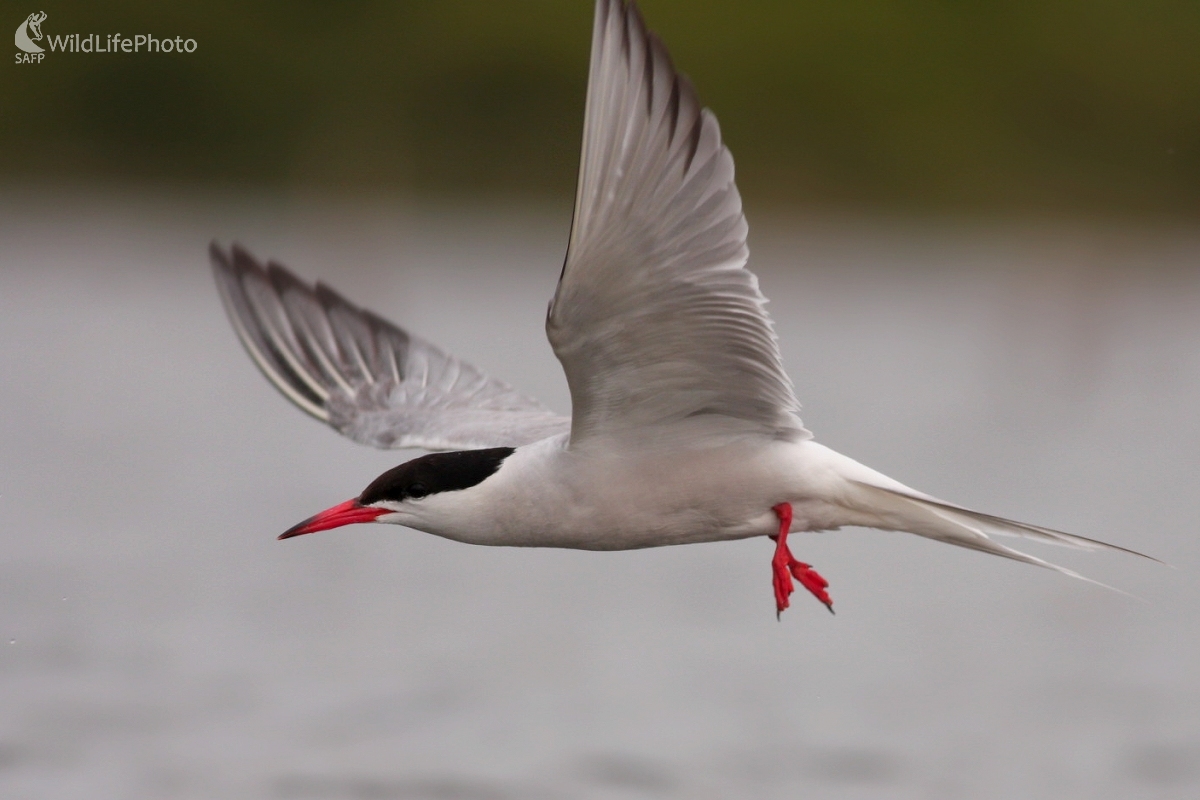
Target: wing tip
point(232, 269)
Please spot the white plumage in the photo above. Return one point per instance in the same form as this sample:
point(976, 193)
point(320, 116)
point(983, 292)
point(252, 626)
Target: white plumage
point(684, 427)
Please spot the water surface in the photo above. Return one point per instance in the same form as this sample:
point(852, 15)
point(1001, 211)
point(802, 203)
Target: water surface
point(157, 642)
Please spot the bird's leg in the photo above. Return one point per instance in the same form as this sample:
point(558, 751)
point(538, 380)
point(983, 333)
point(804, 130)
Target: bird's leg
point(784, 567)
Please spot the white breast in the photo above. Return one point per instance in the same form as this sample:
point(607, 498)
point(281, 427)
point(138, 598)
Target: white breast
point(545, 495)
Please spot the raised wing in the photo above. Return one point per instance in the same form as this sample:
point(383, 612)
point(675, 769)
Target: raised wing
point(367, 378)
point(656, 320)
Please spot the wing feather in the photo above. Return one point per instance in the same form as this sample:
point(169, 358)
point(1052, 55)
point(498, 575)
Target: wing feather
point(655, 319)
point(362, 375)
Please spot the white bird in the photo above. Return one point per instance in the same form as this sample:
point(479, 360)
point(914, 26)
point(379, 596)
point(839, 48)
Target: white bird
point(684, 426)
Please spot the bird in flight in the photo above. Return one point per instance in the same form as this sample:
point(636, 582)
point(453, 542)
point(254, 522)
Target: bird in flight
point(684, 426)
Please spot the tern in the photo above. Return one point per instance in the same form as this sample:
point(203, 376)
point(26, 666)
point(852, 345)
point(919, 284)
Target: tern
point(684, 427)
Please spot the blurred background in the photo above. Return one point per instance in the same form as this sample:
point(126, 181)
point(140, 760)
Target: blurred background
point(977, 225)
point(1014, 105)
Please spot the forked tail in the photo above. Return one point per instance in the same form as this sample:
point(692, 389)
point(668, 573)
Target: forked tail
point(914, 512)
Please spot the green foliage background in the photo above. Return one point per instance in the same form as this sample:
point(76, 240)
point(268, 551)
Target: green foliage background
point(1009, 105)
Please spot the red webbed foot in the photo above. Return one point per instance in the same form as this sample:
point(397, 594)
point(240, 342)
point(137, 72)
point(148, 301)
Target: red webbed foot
point(785, 566)
point(810, 579)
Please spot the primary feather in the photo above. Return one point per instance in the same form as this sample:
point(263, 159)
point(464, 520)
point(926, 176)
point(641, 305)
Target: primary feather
point(656, 320)
point(367, 378)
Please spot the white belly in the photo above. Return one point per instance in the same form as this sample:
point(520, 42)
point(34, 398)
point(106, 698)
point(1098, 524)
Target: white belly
point(546, 496)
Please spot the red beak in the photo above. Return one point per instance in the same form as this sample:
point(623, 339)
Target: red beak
point(345, 513)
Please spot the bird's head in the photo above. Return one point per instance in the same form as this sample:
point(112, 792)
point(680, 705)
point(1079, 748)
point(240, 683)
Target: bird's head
point(398, 495)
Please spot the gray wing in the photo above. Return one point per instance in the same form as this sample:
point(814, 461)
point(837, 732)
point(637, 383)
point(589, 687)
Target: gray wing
point(365, 377)
point(656, 320)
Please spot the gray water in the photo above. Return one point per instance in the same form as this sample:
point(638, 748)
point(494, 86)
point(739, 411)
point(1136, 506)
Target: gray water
point(157, 642)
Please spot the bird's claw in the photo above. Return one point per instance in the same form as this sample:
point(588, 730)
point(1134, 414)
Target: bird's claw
point(785, 566)
point(810, 579)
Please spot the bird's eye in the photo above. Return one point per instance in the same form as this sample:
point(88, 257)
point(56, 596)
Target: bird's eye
point(417, 491)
